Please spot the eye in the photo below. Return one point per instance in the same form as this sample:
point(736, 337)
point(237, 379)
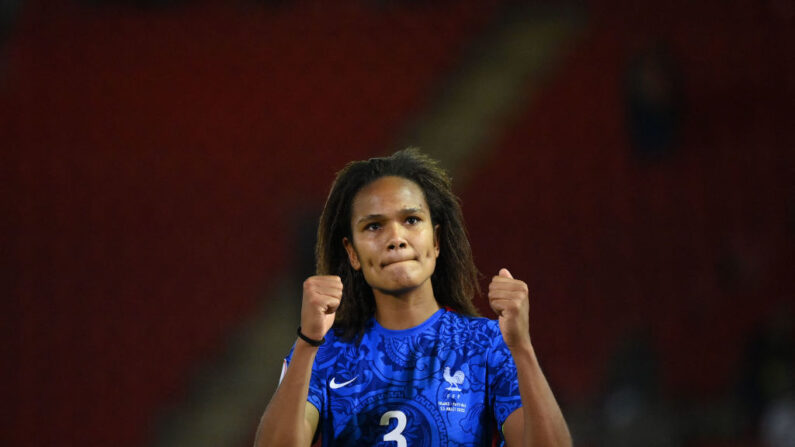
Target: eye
point(372, 226)
point(413, 220)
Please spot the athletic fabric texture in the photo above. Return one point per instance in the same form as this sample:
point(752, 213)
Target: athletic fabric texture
point(451, 381)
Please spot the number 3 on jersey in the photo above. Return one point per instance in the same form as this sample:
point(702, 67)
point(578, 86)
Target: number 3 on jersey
point(395, 435)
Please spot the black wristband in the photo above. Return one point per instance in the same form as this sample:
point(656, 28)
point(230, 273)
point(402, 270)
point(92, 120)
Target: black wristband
point(314, 343)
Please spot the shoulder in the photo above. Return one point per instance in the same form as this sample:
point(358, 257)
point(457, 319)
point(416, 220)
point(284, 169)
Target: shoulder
point(473, 333)
point(332, 344)
point(334, 350)
point(471, 324)
point(335, 342)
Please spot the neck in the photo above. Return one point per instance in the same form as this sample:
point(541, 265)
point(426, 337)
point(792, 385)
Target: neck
point(405, 310)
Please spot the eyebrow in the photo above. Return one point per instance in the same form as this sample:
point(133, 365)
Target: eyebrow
point(403, 212)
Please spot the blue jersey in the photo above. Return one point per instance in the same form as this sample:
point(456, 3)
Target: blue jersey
point(450, 381)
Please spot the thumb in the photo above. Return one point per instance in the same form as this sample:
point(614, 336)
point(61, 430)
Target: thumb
point(505, 273)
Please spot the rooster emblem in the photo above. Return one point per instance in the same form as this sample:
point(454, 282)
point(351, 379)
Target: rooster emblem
point(454, 380)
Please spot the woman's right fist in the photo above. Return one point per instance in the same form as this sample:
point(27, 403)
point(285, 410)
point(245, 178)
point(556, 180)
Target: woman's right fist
point(322, 295)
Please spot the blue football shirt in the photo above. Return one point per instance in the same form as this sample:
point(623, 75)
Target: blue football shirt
point(450, 381)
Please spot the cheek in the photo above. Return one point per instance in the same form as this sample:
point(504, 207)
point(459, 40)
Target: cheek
point(365, 255)
point(433, 250)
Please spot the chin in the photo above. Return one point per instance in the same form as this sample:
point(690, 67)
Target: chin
point(397, 291)
point(397, 281)
point(400, 287)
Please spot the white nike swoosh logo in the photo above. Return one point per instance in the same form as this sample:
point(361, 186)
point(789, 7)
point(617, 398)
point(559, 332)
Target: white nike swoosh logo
point(334, 385)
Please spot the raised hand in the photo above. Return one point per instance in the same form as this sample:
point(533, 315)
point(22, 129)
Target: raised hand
point(322, 295)
point(510, 300)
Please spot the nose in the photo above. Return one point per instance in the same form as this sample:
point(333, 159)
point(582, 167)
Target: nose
point(395, 237)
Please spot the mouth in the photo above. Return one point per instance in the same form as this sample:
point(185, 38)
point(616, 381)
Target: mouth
point(395, 262)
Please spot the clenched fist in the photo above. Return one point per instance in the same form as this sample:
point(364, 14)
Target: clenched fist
point(510, 300)
point(322, 295)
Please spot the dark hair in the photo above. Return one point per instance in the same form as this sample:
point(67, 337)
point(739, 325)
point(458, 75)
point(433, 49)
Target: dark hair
point(455, 279)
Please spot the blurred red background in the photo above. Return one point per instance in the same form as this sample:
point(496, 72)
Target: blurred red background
point(157, 160)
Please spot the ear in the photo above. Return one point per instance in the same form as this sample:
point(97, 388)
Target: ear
point(352, 256)
point(436, 239)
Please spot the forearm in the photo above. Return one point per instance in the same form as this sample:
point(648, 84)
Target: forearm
point(543, 421)
point(284, 422)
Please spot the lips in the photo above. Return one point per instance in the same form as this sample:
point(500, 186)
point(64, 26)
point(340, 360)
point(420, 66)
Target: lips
point(389, 262)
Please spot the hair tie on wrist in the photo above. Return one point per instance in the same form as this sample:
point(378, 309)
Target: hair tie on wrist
point(312, 342)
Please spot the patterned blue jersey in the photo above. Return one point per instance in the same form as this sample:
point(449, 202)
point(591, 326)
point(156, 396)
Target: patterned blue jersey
point(447, 382)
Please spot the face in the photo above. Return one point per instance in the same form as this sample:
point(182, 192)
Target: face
point(394, 244)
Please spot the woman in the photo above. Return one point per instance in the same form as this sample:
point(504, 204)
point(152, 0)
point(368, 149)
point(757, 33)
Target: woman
point(390, 350)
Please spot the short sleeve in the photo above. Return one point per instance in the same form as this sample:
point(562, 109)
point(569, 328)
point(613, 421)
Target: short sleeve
point(504, 394)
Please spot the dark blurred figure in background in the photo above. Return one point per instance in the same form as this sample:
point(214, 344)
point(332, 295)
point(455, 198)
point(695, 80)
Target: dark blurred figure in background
point(8, 13)
point(654, 102)
point(632, 409)
point(767, 384)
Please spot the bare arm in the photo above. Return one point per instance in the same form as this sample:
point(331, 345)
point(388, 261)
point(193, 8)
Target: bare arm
point(289, 420)
point(539, 422)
